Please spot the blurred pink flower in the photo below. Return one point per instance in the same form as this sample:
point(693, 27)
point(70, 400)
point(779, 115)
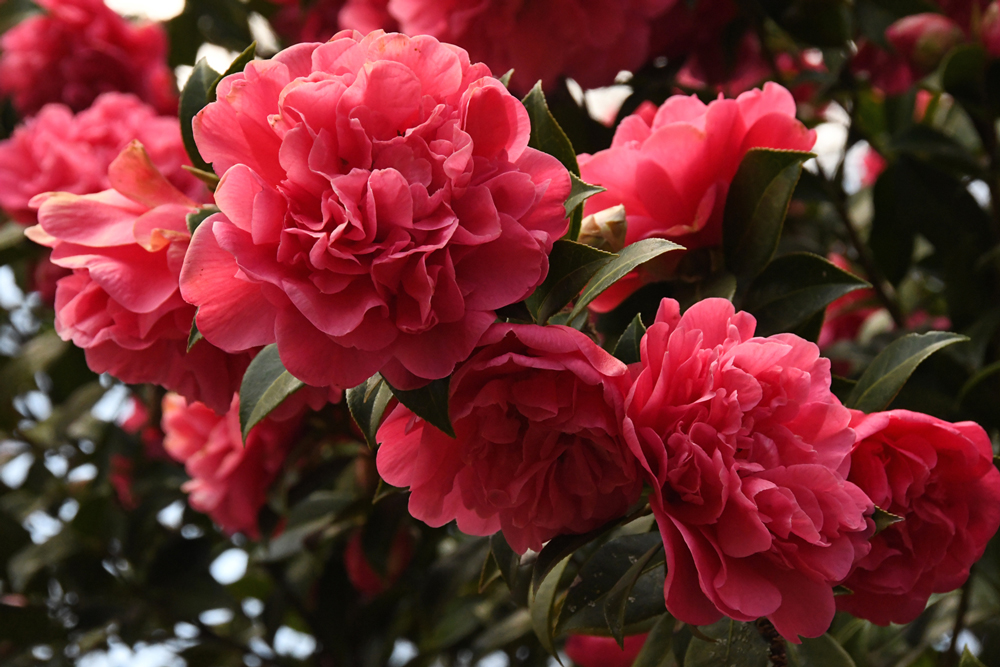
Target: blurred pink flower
point(588, 40)
point(57, 151)
point(78, 49)
point(229, 480)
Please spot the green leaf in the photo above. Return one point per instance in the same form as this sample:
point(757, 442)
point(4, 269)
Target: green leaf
point(505, 79)
point(580, 192)
point(206, 177)
point(195, 218)
point(963, 74)
point(629, 258)
point(265, 386)
point(627, 349)
point(737, 645)
point(195, 335)
point(571, 266)
point(13, 12)
point(884, 519)
point(890, 370)
point(194, 98)
point(793, 288)
point(976, 380)
point(506, 559)
point(561, 546)
point(583, 609)
point(236, 66)
point(617, 598)
point(367, 403)
point(822, 651)
point(969, 660)
point(756, 206)
point(546, 135)
point(543, 608)
point(430, 403)
point(658, 651)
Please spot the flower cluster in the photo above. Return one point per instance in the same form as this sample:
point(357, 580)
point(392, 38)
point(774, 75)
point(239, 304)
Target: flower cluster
point(58, 151)
point(77, 49)
point(379, 211)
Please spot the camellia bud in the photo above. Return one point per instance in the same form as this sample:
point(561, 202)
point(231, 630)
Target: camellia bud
point(605, 230)
point(924, 39)
point(990, 29)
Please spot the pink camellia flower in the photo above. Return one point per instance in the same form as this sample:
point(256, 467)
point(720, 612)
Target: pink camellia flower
point(57, 151)
point(229, 480)
point(940, 479)
point(78, 49)
point(924, 39)
point(588, 651)
point(379, 202)
point(537, 412)
point(747, 452)
point(588, 40)
point(672, 173)
point(122, 304)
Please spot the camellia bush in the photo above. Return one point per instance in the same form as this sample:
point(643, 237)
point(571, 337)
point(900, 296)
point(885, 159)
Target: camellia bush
point(649, 333)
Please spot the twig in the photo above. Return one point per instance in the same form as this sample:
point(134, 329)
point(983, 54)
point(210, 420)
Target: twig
point(951, 658)
point(875, 275)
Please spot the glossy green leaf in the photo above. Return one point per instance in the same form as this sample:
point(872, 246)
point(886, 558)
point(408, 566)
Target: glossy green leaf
point(969, 660)
point(543, 608)
point(506, 559)
point(430, 403)
point(206, 177)
point(13, 12)
point(546, 135)
point(556, 549)
point(617, 598)
point(756, 206)
point(629, 258)
point(793, 288)
point(505, 79)
point(890, 370)
point(657, 651)
point(571, 266)
point(583, 609)
point(265, 386)
point(736, 645)
point(194, 98)
point(194, 336)
point(195, 218)
point(367, 403)
point(822, 651)
point(627, 349)
point(884, 519)
point(579, 193)
point(236, 66)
